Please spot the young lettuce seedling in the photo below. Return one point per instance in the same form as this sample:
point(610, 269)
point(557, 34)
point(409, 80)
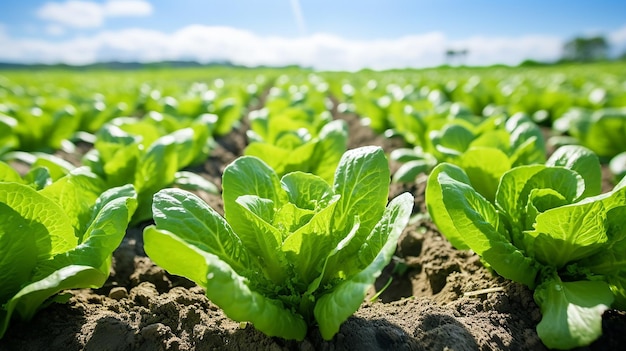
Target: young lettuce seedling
point(549, 229)
point(60, 237)
point(484, 148)
point(601, 130)
point(291, 251)
point(150, 153)
point(299, 151)
point(8, 138)
point(286, 144)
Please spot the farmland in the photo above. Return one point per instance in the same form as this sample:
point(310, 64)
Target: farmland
point(232, 208)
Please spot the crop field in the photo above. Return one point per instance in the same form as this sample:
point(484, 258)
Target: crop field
point(224, 208)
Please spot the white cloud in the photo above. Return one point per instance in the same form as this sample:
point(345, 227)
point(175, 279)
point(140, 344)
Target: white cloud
point(510, 50)
point(73, 13)
point(55, 30)
point(322, 51)
point(87, 14)
point(619, 36)
point(127, 8)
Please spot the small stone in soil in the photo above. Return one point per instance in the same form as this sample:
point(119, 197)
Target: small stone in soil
point(118, 293)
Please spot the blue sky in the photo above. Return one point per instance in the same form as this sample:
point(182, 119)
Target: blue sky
point(339, 34)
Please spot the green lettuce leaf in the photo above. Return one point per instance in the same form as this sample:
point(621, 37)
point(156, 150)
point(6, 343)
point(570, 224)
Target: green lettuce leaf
point(549, 230)
point(308, 246)
point(9, 174)
point(283, 244)
point(436, 206)
point(582, 160)
point(45, 219)
point(484, 176)
point(478, 220)
point(362, 179)
point(224, 286)
point(334, 307)
point(75, 193)
point(46, 253)
point(568, 233)
point(571, 312)
point(182, 212)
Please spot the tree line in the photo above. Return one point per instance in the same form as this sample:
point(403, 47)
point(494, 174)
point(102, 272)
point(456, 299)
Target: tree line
point(578, 49)
point(586, 49)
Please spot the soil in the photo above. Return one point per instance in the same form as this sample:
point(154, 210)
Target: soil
point(430, 297)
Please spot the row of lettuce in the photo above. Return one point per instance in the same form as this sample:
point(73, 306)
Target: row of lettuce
point(306, 227)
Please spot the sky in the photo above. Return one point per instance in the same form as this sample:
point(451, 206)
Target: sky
point(324, 34)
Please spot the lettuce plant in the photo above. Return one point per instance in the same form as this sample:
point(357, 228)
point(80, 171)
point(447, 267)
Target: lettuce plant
point(150, 154)
point(548, 228)
point(45, 128)
point(43, 168)
point(602, 131)
point(297, 150)
point(8, 139)
point(307, 144)
point(484, 148)
point(291, 251)
point(61, 237)
point(37, 177)
point(617, 166)
point(372, 102)
point(226, 102)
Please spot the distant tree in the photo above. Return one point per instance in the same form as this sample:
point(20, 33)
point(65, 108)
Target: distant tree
point(586, 49)
point(532, 63)
point(456, 55)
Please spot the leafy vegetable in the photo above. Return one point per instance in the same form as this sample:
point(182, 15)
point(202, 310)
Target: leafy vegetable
point(226, 102)
point(602, 131)
point(549, 229)
point(45, 127)
point(146, 154)
point(617, 165)
point(484, 147)
point(295, 132)
point(58, 238)
point(298, 150)
point(44, 168)
point(290, 252)
point(8, 139)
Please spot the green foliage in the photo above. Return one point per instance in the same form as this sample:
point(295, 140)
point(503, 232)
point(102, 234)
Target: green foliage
point(225, 103)
point(43, 128)
point(149, 153)
point(297, 150)
point(291, 251)
point(293, 138)
point(61, 237)
point(43, 168)
point(484, 147)
point(617, 165)
point(586, 49)
point(8, 139)
point(602, 130)
point(561, 301)
point(547, 228)
point(543, 225)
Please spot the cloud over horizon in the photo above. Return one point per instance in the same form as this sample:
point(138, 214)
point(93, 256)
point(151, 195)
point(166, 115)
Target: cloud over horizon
point(77, 35)
point(321, 51)
point(87, 14)
point(81, 32)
